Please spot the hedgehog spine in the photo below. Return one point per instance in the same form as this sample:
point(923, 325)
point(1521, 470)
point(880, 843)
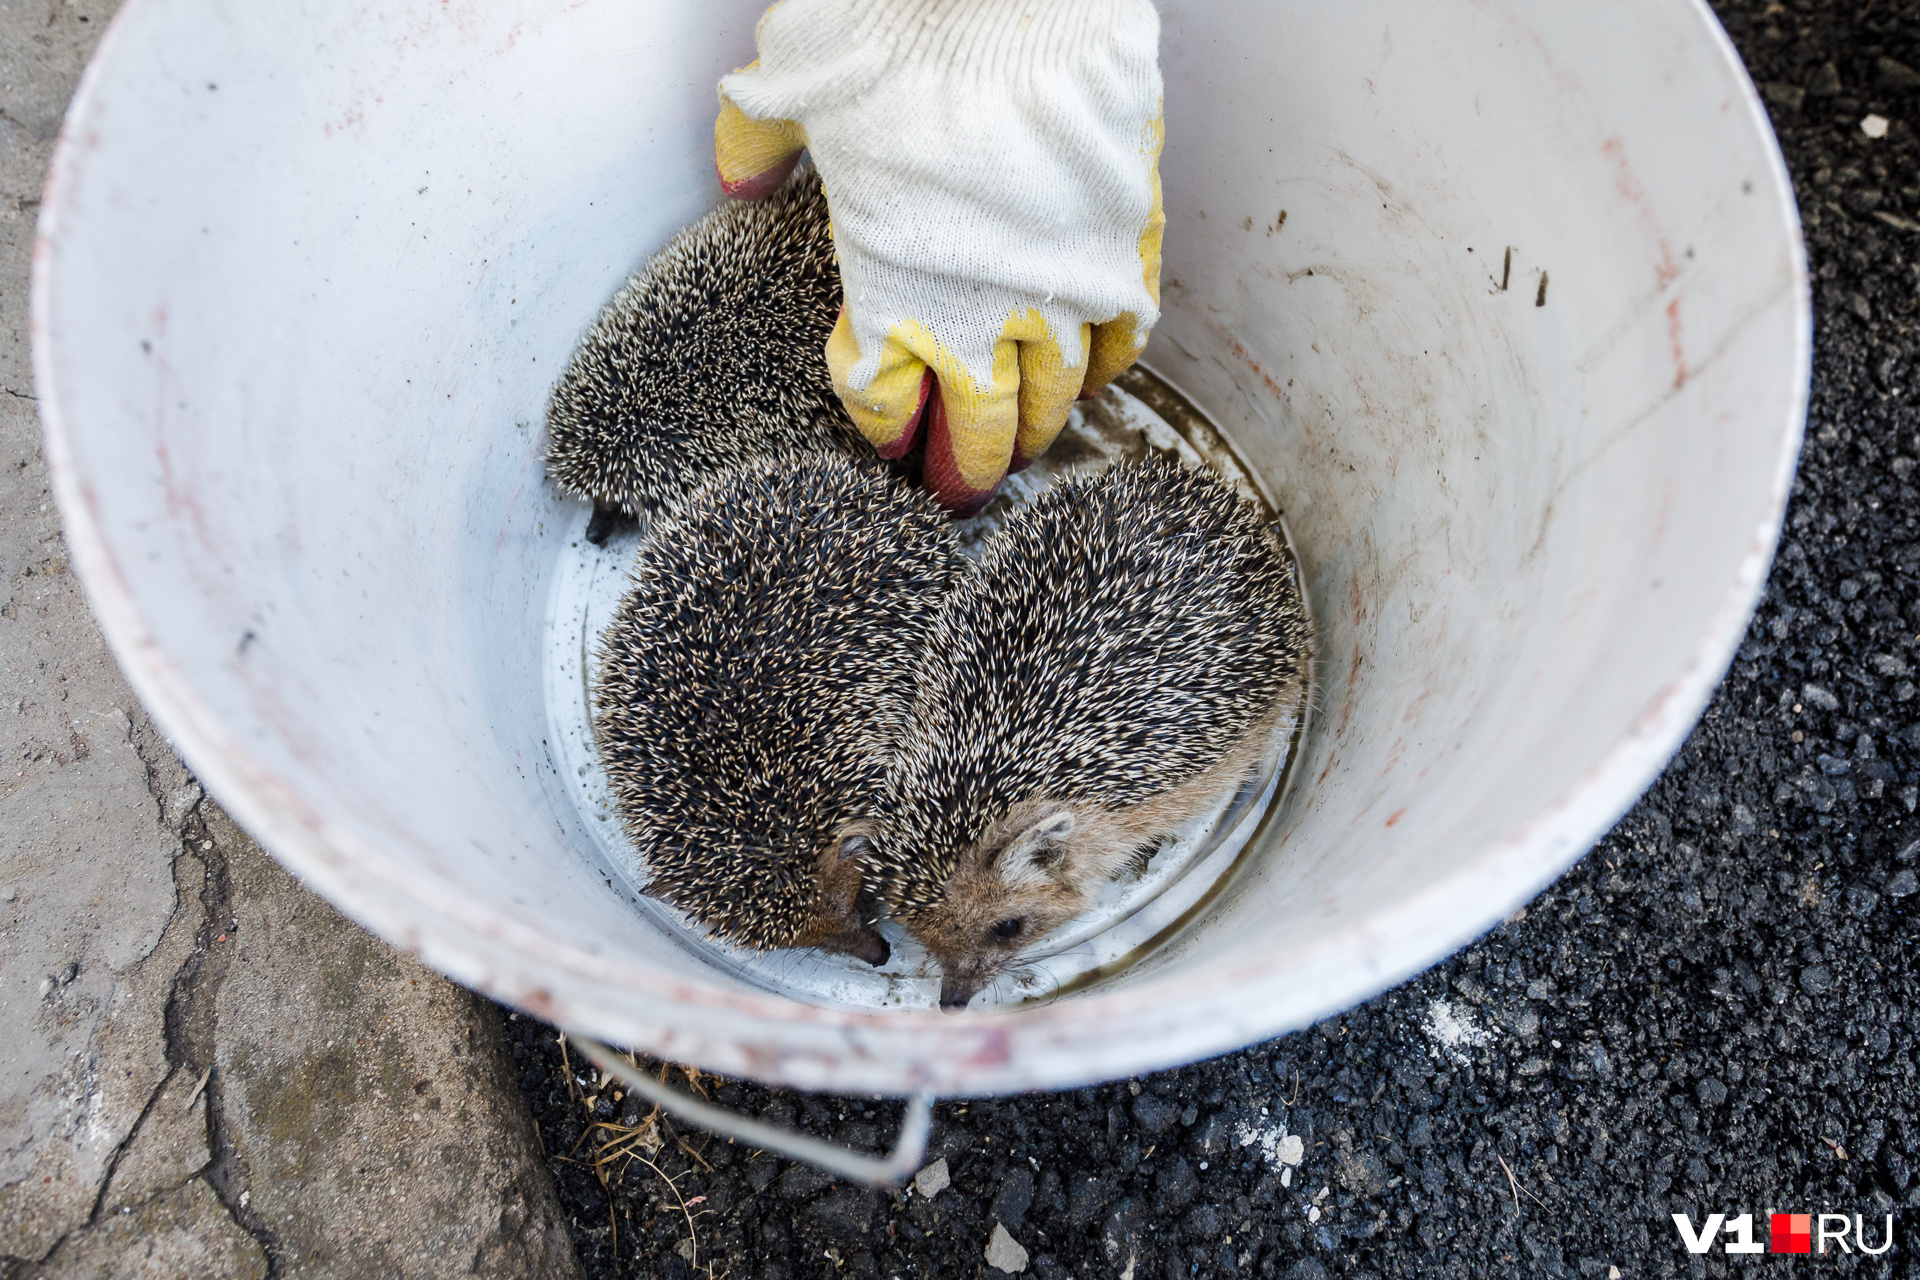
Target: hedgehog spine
point(1118, 657)
point(710, 356)
point(750, 683)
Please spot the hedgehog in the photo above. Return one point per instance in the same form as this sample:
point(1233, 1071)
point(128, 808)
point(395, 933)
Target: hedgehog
point(1117, 659)
point(750, 684)
point(711, 355)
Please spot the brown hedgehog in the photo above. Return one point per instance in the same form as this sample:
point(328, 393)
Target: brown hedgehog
point(750, 683)
point(1116, 661)
point(712, 355)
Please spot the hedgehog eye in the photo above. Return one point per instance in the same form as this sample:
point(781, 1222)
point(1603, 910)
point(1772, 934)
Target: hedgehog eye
point(1009, 928)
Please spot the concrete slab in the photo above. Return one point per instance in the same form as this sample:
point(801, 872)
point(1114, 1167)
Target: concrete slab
point(185, 1232)
point(168, 1148)
point(369, 1105)
point(87, 891)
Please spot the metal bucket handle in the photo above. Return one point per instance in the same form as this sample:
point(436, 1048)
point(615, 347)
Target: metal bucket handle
point(876, 1171)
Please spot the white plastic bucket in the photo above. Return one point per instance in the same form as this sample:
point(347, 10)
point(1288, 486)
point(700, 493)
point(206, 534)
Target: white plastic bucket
point(1524, 361)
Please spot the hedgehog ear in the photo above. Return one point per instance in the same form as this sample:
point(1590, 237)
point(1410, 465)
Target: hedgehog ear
point(1036, 853)
point(856, 848)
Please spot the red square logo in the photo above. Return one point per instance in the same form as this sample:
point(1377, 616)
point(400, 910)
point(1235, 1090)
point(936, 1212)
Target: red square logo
point(1793, 1233)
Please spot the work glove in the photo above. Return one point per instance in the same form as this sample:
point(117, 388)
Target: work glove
point(992, 172)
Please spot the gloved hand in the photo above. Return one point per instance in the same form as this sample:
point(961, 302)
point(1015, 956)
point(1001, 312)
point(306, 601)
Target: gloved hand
point(992, 168)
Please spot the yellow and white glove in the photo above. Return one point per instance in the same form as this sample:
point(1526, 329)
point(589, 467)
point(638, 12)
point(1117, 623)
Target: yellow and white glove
point(992, 169)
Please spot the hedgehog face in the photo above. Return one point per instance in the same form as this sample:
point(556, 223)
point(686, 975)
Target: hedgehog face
point(1029, 874)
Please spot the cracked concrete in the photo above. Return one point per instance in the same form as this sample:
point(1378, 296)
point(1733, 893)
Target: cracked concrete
point(207, 1070)
point(388, 1137)
point(92, 937)
point(184, 1232)
point(91, 929)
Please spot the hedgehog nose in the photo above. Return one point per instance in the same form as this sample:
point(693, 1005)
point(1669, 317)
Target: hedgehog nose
point(954, 996)
point(874, 950)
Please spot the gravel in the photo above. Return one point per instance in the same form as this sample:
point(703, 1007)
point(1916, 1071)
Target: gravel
point(1713, 1012)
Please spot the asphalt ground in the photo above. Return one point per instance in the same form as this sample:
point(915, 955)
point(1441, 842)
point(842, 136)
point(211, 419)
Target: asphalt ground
point(1712, 1013)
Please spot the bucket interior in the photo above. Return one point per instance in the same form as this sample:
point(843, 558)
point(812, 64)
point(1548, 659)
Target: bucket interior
point(1503, 303)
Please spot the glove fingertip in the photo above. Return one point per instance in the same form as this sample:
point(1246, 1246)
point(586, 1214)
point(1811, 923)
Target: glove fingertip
point(943, 477)
point(760, 185)
point(902, 444)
